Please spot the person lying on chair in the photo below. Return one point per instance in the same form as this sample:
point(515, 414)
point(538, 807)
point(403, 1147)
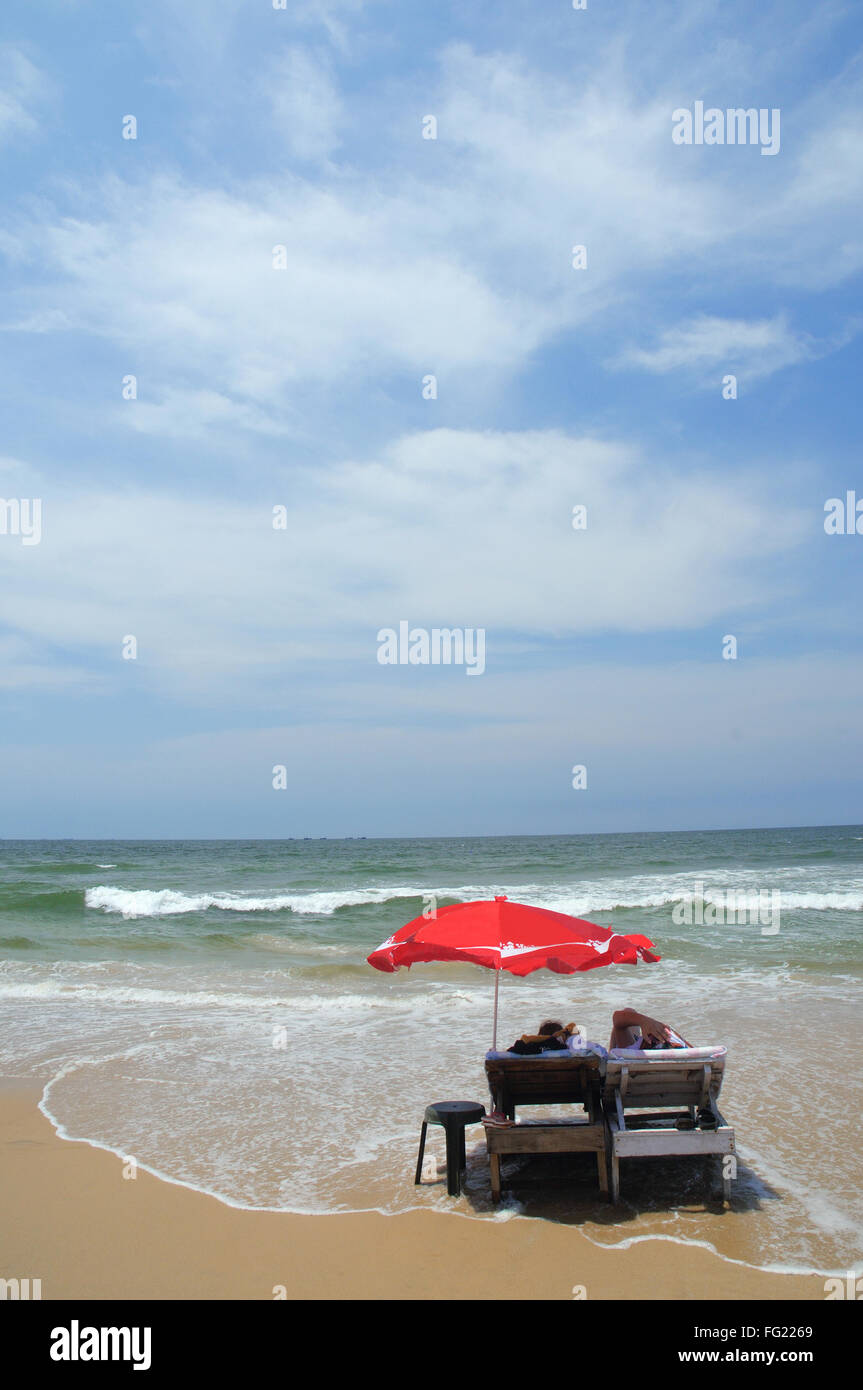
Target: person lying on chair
point(550, 1036)
point(632, 1029)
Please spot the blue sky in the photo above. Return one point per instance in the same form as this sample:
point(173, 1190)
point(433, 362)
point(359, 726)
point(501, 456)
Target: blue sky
point(302, 388)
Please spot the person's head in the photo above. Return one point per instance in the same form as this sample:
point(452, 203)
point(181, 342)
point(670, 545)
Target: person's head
point(549, 1027)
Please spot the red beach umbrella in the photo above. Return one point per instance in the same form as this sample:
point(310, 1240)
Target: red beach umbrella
point(509, 936)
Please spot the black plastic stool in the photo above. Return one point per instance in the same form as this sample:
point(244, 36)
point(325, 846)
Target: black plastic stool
point(452, 1115)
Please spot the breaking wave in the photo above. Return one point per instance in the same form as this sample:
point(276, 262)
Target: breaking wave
point(598, 898)
point(169, 902)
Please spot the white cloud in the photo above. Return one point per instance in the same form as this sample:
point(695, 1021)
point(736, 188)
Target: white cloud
point(43, 321)
point(23, 88)
point(192, 414)
point(26, 480)
point(194, 37)
point(592, 161)
point(183, 280)
point(446, 256)
point(666, 744)
point(306, 104)
point(747, 347)
point(448, 528)
point(331, 16)
point(26, 666)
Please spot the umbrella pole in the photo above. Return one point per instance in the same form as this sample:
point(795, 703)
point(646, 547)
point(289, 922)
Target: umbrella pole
point(496, 989)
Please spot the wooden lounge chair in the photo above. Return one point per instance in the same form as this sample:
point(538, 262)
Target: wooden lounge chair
point(545, 1080)
point(644, 1095)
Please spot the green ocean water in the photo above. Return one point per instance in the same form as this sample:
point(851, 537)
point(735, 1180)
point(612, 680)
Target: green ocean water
point(207, 1008)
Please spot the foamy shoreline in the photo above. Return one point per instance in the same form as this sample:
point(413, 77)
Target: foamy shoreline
point(73, 1221)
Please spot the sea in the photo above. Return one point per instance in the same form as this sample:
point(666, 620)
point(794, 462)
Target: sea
point(206, 1009)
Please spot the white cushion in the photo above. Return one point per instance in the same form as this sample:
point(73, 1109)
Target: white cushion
point(666, 1054)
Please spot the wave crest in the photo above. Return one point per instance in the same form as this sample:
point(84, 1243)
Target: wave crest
point(170, 902)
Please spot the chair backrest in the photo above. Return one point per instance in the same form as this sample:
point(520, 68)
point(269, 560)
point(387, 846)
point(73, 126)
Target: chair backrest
point(662, 1084)
point(543, 1080)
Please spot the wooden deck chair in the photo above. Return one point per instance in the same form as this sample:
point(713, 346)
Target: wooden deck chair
point(546, 1080)
point(646, 1093)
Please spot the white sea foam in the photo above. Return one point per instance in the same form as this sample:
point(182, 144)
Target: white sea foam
point(748, 899)
point(169, 902)
point(294, 946)
point(637, 893)
point(106, 994)
point(823, 902)
point(629, 1241)
point(589, 897)
point(71, 983)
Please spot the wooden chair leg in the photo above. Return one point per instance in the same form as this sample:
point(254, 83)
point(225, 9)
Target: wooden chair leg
point(494, 1165)
point(421, 1152)
point(615, 1177)
point(602, 1169)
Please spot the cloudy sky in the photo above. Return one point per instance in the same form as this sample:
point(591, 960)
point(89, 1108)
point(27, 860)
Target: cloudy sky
point(295, 379)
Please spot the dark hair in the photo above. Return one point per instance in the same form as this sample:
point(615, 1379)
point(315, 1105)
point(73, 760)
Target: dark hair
point(548, 1027)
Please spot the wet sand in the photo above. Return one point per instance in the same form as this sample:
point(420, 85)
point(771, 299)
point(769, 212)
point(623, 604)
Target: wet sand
point(71, 1219)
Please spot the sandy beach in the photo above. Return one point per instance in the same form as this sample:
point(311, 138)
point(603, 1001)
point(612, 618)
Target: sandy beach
point(71, 1219)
